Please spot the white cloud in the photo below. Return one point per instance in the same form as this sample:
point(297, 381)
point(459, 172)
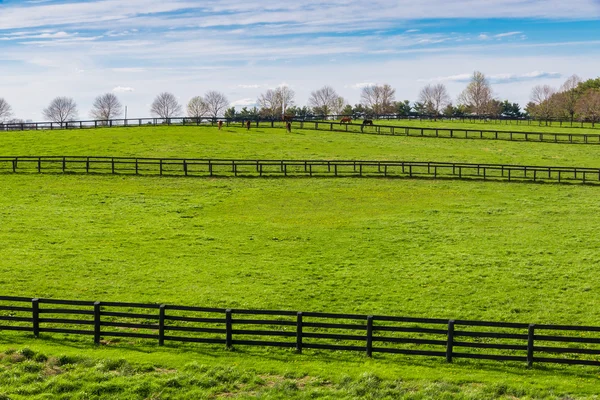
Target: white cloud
point(243, 102)
point(255, 86)
point(123, 89)
point(498, 78)
point(361, 85)
point(483, 36)
point(507, 34)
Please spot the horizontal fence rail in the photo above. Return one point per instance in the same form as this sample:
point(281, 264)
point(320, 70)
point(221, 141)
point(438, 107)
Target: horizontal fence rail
point(198, 167)
point(162, 323)
point(322, 125)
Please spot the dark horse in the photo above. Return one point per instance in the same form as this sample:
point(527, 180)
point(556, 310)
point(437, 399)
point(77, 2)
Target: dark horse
point(248, 124)
point(365, 123)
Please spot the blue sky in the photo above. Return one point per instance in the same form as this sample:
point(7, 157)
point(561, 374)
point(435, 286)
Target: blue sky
point(138, 48)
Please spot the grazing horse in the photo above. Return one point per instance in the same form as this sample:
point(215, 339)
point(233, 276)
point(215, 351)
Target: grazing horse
point(346, 120)
point(288, 126)
point(220, 124)
point(248, 124)
point(365, 123)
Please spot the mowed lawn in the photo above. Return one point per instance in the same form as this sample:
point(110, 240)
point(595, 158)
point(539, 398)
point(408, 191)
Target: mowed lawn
point(447, 249)
point(267, 143)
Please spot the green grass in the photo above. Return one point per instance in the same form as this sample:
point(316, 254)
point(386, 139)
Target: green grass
point(266, 143)
point(447, 249)
point(493, 126)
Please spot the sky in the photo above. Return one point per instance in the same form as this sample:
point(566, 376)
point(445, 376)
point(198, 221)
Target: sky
point(139, 48)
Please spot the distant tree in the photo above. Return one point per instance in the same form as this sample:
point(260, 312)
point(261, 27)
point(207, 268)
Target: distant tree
point(196, 107)
point(61, 109)
point(378, 98)
point(477, 95)
point(5, 109)
point(512, 110)
point(420, 108)
point(566, 99)
point(165, 105)
point(106, 107)
point(435, 97)
point(230, 113)
point(324, 100)
point(274, 102)
point(403, 107)
point(588, 106)
point(589, 84)
point(338, 105)
point(449, 111)
point(359, 109)
point(542, 97)
point(216, 103)
point(348, 110)
point(495, 108)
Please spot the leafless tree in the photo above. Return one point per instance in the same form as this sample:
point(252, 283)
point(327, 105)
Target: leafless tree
point(588, 106)
point(323, 101)
point(542, 97)
point(378, 98)
point(165, 105)
point(197, 107)
point(477, 95)
point(338, 105)
point(5, 109)
point(435, 98)
point(61, 109)
point(274, 102)
point(216, 103)
point(106, 106)
point(567, 98)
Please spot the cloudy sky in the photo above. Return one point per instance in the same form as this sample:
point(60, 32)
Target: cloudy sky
point(138, 48)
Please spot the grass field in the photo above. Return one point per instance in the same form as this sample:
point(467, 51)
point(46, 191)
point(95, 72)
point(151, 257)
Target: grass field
point(448, 249)
point(267, 143)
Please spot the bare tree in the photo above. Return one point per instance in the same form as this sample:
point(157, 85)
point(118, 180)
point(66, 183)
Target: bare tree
point(568, 96)
point(165, 105)
point(323, 100)
point(477, 95)
point(197, 107)
point(542, 97)
point(5, 109)
point(61, 109)
point(588, 106)
point(435, 98)
point(275, 101)
point(216, 103)
point(338, 105)
point(106, 106)
point(379, 98)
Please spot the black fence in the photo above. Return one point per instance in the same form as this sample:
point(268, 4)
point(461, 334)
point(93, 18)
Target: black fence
point(393, 130)
point(235, 167)
point(450, 339)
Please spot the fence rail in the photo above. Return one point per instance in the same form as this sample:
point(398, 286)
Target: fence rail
point(321, 125)
point(449, 339)
point(237, 167)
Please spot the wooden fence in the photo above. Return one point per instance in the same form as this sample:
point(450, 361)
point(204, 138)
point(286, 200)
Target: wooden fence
point(450, 339)
point(519, 136)
point(236, 167)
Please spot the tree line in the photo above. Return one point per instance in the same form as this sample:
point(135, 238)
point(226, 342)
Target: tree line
point(575, 100)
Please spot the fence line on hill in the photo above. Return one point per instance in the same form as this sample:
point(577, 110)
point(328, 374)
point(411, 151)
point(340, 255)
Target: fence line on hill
point(450, 339)
point(519, 136)
point(244, 167)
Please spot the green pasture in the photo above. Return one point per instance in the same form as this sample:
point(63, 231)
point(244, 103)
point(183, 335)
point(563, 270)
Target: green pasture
point(275, 143)
point(493, 125)
point(426, 248)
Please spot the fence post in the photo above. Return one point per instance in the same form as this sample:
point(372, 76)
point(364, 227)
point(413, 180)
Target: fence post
point(370, 336)
point(299, 332)
point(228, 329)
point(161, 325)
point(97, 322)
point(530, 335)
point(450, 344)
point(35, 316)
